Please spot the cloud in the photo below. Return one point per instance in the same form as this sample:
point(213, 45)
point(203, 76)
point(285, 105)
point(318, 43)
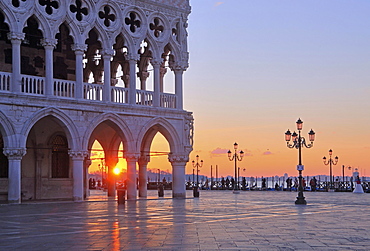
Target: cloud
point(218, 152)
point(218, 4)
point(267, 153)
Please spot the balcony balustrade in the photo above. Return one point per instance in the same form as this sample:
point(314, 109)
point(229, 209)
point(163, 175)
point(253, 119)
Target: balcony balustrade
point(34, 85)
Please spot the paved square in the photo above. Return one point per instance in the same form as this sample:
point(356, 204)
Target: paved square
point(218, 220)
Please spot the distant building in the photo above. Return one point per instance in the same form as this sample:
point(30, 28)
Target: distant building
point(72, 72)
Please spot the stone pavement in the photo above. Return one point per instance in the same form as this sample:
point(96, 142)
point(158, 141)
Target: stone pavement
point(218, 220)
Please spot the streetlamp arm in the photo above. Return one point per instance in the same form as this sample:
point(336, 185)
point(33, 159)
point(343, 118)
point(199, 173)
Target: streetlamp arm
point(306, 145)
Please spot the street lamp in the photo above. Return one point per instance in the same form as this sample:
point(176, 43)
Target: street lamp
point(330, 162)
point(197, 166)
point(298, 142)
point(235, 157)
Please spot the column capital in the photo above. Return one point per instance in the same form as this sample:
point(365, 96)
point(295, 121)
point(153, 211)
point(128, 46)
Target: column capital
point(107, 52)
point(49, 42)
point(16, 36)
point(144, 159)
point(156, 62)
point(131, 156)
point(178, 158)
point(15, 153)
point(79, 47)
point(78, 154)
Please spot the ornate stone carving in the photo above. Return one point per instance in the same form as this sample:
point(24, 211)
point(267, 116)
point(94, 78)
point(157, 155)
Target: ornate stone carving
point(79, 47)
point(131, 156)
point(178, 158)
point(49, 42)
point(78, 154)
point(16, 36)
point(189, 129)
point(15, 153)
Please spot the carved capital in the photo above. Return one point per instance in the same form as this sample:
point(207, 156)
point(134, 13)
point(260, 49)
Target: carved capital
point(131, 156)
point(107, 53)
point(79, 47)
point(16, 36)
point(78, 154)
point(15, 153)
point(178, 158)
point(144, 159)
point(156, 62)
point(49, 42)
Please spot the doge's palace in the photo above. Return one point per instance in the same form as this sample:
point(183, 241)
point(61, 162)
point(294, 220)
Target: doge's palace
point(73, 72)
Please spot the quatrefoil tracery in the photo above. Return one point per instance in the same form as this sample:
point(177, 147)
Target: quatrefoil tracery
point(156, 27)
point(78, 10)
point(108, 18)
point(50, 4)
point(132, 22)
point(17, 3)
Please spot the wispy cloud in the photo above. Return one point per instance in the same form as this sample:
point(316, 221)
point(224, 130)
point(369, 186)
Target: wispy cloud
point(219, 152)
point(267, 153)
point(218, 4)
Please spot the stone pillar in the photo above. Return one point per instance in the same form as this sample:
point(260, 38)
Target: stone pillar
point(79, 50)
point(143, 75)
point(178, 174)
point(162, 73)
point(107, 55)
point(157, 82)
point(131, 159)
point(16, 40)
point(111, 162)
point(78, 174)
point(143, 176)
point(86, 179)
point(132, 85)
point(14, 186)
point(179, 88)
point(49, 45)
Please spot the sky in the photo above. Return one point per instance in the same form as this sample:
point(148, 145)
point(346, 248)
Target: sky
point(256, 66)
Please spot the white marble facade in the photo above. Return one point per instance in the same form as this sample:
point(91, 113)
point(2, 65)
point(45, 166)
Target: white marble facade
point(76, 71)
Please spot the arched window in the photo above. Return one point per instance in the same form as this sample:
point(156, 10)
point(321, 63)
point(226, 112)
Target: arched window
point(3, 160)
point(60, 158)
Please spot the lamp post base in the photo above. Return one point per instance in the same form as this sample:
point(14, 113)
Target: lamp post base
point(300, 201)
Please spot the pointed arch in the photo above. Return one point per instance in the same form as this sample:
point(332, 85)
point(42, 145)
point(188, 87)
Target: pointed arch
point(152, 127)
point(124, 131)
point(8, 132)
point(64, 120)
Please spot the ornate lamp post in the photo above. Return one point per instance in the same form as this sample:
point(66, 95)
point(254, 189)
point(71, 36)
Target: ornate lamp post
point(197, 166)
point(298, 142)
point(235, 157)
point(330, 162)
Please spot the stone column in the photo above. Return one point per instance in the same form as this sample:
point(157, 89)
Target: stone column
point(157, 82)
point(131, 159)
point(79, 50)
point(14, 186)
point(143, 176)
point(107, 55)
point(132, 85)
point(111, 162)
point(16, 40)
point(86, 179)
point(179, 88)
point(78, 173)
point(162, 73)
point(49, 45)
point(178, 174)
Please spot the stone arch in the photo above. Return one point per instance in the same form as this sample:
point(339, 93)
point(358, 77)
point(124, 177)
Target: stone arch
point(64, 120)
point(8, 132)
point(114, 120)
point(163, 126)
point(9, 18)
